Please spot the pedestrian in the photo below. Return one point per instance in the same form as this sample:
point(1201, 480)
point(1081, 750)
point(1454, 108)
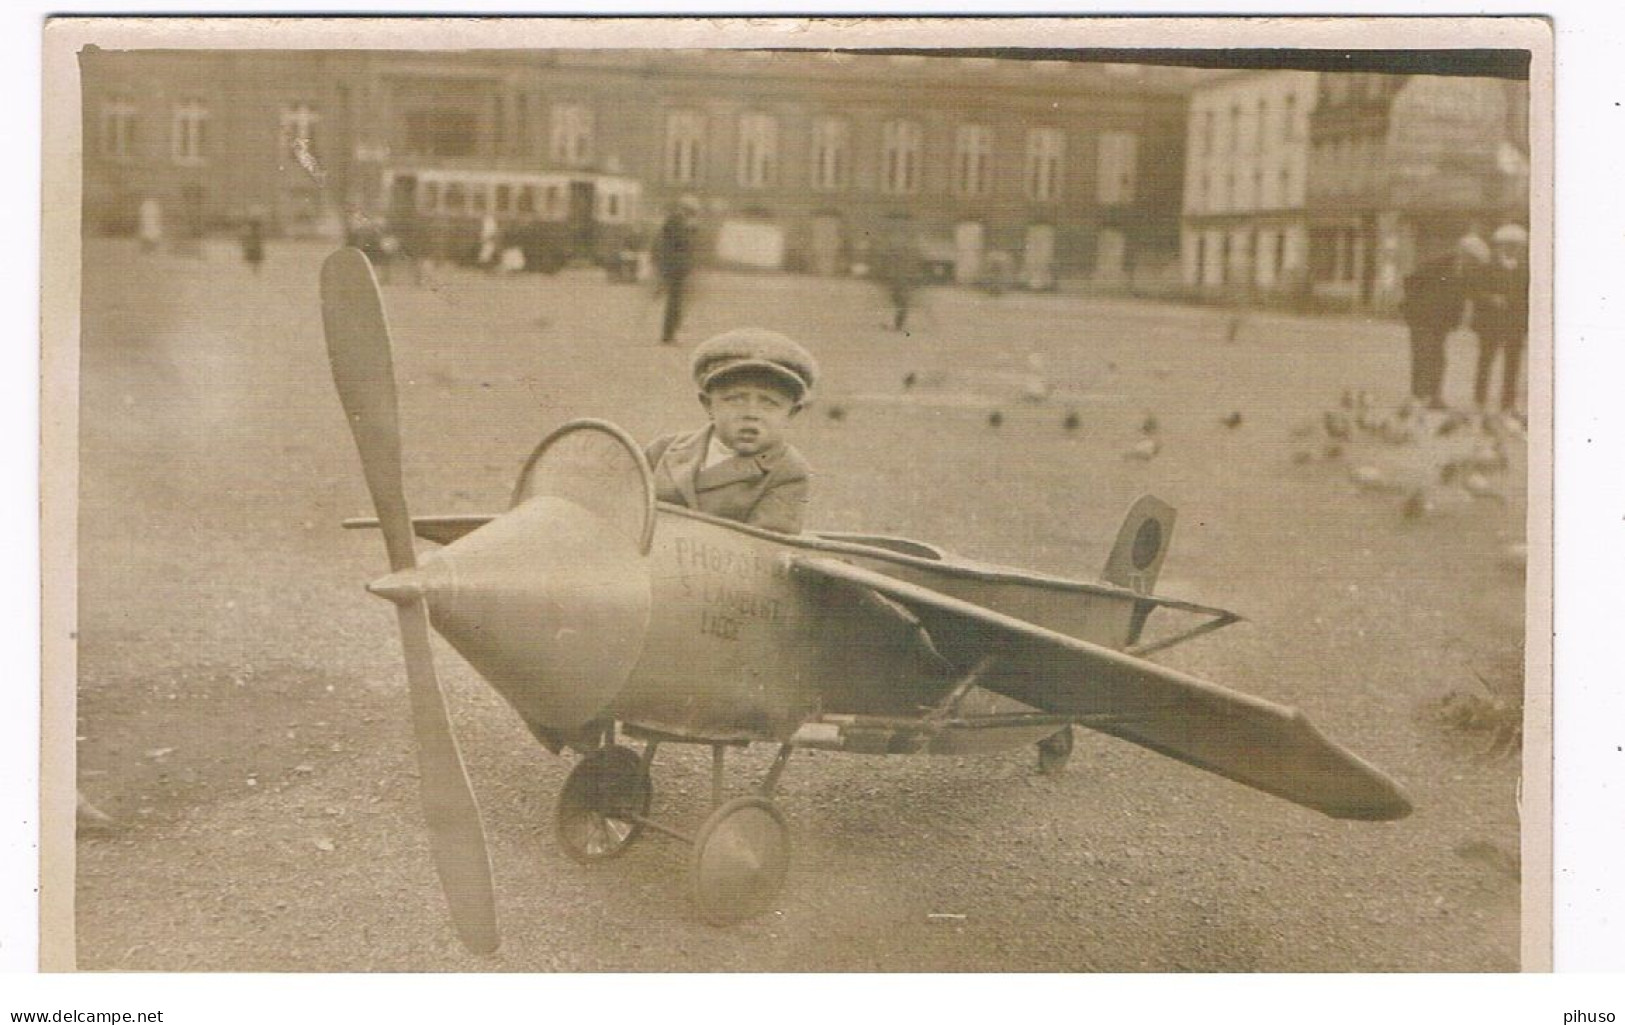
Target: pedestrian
point(741, 466)
point(1501, 316)
point(674, 260)
point(150, 224)
point(897, 268)
point(1435, 300)
point(254, 244)
point(490, 243)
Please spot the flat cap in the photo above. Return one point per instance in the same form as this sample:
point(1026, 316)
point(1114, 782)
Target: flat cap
point(754, 348)
point(1477, 248)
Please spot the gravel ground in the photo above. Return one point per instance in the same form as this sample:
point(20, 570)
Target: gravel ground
point(241, 702)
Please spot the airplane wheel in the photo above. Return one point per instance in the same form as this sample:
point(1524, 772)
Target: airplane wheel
point(605, 788)
point(741, 858)
point(1054, 751)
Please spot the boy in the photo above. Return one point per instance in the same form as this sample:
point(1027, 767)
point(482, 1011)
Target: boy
point(740, 467)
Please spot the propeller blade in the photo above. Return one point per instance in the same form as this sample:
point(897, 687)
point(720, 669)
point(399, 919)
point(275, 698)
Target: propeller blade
point(363, 371)
point(455, 834)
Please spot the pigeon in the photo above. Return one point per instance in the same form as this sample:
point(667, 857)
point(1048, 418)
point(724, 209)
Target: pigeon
point(836, 413)
point(90, 819)
point(1477, 485)
point(1452, 423)
point(1072, 420)
point(1232, 421)
point(1144, 450)
point(995, 418)
point(1150, 426)
point(1366, 476)
point(909, 379)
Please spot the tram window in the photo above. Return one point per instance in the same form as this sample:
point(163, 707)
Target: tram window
point(612, 206)
point(456, 202)
point(504, 202)
point(527, 199)
point(429, 197)
point(552, 204)
point(477, 198)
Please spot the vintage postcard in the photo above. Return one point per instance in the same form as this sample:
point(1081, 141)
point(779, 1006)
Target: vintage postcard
point(752, 495)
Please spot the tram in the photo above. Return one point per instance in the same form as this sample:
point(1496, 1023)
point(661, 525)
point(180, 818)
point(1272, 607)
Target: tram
point(552, 218)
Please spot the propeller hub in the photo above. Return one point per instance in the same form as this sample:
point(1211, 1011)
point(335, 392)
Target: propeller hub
point(549, 602)
point(401, 588)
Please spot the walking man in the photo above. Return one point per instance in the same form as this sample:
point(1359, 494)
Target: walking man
point(674, 259)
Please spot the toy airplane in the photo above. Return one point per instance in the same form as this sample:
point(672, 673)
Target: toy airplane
point(599, 613)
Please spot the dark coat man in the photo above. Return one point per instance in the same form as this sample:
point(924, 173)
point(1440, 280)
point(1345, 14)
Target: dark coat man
point(673, 256)
point(1436, 295)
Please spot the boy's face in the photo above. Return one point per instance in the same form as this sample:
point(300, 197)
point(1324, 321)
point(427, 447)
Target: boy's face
point(750, 414)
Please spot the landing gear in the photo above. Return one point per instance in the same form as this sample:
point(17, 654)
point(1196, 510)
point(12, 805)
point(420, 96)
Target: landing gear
point(1054, 751)
point(740, 857)
point(603, 804)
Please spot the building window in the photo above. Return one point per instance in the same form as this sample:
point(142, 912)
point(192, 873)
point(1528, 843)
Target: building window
point(521, 124)
point(1207, 132)
point(973, 160)
point(831, 153)
point(1260, 132)
point(118, 128)
point(1286, 187)
point(758, 150)
point(1289, 118)
point(570, 143)
point(900, 144)
point(1114, 180)
point(189, 137)
point(298, 130)
point(685, 142)
point(1045, 149)
point(439, 132)
point(1233, 143)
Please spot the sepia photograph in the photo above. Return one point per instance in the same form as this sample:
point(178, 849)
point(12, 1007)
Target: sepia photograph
point(737, 496)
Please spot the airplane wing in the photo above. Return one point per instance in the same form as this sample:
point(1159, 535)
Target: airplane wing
point(1266, 746)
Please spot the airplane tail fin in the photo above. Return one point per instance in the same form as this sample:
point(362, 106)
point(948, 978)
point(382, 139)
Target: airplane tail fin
point(1142, 542)
point(1136, 558)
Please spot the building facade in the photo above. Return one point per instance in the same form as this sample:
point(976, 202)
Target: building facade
point(1329, 187)
point(1245, 227)
point(1401, 167)
point(800, 161)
